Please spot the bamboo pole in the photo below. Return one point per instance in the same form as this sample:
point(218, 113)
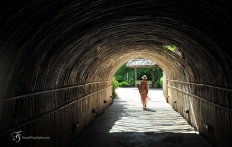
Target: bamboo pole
point(135, 76)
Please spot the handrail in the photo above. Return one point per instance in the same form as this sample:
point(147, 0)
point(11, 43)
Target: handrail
point(51, 112)
point(45, 91)
point(223, 88)
point(201, 98)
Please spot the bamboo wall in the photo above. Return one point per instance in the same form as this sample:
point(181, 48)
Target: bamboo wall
point(207, 104)
point(53, 114)
point(58, 58)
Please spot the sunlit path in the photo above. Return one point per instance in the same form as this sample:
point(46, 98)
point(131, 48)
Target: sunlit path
point(125, 123)
point(158, 117)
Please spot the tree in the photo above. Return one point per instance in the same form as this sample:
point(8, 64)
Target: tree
point(121, 74)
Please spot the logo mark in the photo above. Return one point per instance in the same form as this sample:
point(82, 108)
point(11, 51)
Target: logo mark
point(16, 136)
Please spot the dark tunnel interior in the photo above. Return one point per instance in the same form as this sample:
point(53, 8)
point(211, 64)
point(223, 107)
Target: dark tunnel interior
point(58, 58)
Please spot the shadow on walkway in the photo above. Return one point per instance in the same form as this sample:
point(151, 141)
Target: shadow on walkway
point(126, 124)
point(149, 109)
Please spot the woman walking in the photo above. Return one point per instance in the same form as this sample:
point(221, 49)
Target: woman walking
point(143, 90)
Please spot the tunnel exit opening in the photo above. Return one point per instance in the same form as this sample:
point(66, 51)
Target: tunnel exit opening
point(173, 65)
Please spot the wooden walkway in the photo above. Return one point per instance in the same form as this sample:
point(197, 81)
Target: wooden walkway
point(126, 124)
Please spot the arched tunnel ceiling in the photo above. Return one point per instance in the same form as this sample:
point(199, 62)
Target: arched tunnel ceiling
point(52, 44)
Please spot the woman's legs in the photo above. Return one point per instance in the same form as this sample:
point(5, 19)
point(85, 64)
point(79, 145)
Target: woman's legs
point(143, 99)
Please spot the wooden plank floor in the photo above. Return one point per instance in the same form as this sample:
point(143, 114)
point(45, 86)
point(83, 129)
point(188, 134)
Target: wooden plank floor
point(126, 124)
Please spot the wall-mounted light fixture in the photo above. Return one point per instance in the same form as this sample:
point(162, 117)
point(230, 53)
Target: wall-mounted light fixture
point(76, 125)
point(186, 111)
point(174, 101)
point(105, 101)
point(206, 126)
point(94, 110)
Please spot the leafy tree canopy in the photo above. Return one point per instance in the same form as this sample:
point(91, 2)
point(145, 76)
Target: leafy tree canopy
point(121, 74)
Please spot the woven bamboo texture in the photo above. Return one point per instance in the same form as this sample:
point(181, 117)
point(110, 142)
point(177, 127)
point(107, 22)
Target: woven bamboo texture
point(58, 59)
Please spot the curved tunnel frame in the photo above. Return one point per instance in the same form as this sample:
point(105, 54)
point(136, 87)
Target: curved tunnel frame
point(58, 58)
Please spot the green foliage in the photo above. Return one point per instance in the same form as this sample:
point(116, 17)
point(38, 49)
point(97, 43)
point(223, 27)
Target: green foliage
point(121, 75)
point(157, 84)
point(124, 84)
point(158, 74)
point(131, 82)
point(170, 47)
point(161, 81)
point(114, 87)
point(144, 71)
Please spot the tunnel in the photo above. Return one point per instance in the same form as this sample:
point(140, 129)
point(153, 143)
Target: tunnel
point(58, 59)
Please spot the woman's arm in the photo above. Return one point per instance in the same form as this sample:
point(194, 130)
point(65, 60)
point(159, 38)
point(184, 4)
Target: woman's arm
point(147, 86)
point(140, 84)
